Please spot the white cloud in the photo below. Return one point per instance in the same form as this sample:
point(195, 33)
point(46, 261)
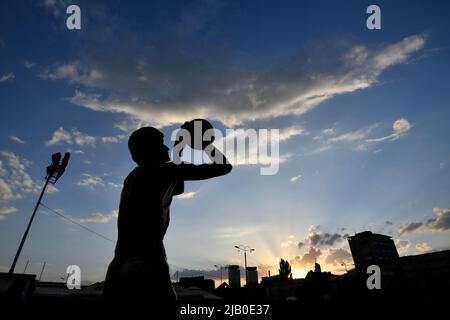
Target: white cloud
point(18, 180)
point(56, 7)
point(15, 181)
point(398, 52)
point(16, 139)
point(115, 185)
point(400, 128)
point(60, 135)
point(74, 136)
point(186, 195)
point(7, 77)
point(295, 178)
point(90, 180)
point(353, 135)
point(423, 248)
point(307, 259)
point(4, 211)
point(337, 257)
point(29, 65)
point(180, 85)
point(63, 71)
point(290, 241)
point(113, 139)
point(83, 139)
point(327, 132)
point(3, 171)
point(289, 132)
point(442, 220)
point(5, 191)
point(50, 188)
point(329, 137)
point(402, 246)
point(98, 217)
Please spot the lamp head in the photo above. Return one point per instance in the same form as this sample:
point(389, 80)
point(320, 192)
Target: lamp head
point(56, 157)
point(65, 160)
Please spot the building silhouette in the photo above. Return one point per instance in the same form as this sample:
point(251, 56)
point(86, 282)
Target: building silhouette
point(234, 276)
point(368, 249)
point(427, 276)
point(409, 279)
point(252, 275)
point(198, 282)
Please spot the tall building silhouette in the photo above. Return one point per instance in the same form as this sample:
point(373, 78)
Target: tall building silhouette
point(234, 276)
point(370, 248)
point(252, 274)
point(376, 249)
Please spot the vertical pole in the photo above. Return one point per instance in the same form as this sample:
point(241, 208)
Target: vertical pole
point(28, 227)
point(246, 273)
point(26, 266)
point(221, 278)
point(42, 271)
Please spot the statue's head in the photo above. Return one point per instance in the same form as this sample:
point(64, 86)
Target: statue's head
point(147, 146)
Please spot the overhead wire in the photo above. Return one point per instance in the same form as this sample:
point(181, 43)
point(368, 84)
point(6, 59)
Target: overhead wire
point(77, 223)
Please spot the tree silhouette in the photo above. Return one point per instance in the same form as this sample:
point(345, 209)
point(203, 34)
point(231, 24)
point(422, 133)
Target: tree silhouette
point(285, 269)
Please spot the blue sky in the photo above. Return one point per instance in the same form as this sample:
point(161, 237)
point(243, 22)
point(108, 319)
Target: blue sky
point(364, 115)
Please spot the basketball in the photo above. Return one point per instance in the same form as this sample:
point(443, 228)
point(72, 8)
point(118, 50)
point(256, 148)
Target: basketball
point(197, 129)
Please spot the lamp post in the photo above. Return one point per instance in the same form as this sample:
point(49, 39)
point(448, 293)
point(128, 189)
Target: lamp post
point(54, 171)
point(245, 249)
point(220, 266)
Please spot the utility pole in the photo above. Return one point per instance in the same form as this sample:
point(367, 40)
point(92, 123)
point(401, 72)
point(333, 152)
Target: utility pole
point(245, 249)
point(54, 171)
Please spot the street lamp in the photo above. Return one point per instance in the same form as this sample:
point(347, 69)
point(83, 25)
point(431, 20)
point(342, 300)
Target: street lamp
point(220, 266)
point(54, 171)
point(245, 249)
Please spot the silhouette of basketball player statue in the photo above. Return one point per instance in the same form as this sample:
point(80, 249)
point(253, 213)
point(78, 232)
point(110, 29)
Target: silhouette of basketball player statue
point(139, 271)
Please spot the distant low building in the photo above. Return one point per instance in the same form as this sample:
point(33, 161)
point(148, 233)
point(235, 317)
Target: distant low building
point(427, 276)
point(279, 288)
point(198, 282)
